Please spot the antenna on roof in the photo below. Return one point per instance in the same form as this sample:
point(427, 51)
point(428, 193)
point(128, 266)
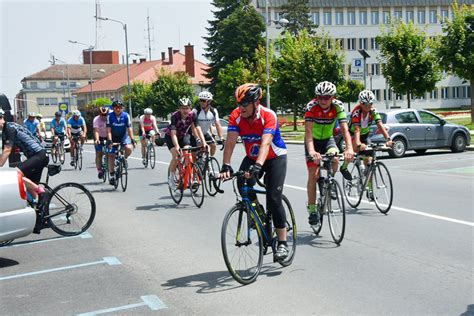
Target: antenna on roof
point(149, 35)
point(97, 24)
point(52, 60)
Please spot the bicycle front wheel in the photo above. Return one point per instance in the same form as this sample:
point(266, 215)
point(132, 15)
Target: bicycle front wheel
point(54, 153)
point(242, 246)
point(175, 187)
point(151, 156)
point(353, 188)
point(196, 186)
point(62, 153)
point(124, 175)
point(70, 209)
point(382, 188)
point(290, 232)
point(118, 172)
point(79, 158)
point(212, 173)
point(336, 212)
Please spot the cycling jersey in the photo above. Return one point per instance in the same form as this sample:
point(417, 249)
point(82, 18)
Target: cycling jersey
point(363, 120)
point(266, 122)
point(324, 120)
point(101, 125)
point(20, 137)
point(32, 126)
point(148, 123)
point(76, 126)
point(180, 125)
point(119, 125)
point(59, 127)
point(206, 118)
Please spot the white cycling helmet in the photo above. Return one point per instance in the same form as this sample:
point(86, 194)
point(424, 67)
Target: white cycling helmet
point(32, 114)
point(76, 113)
point(325, 88)
point(148, 111)
point(205, 95)
point(366, 96)
point(185, 102)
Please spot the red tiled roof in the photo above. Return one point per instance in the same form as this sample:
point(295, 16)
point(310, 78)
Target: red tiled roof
point(146, 72)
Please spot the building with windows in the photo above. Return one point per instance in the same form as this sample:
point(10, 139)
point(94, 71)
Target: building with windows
point(354, 25)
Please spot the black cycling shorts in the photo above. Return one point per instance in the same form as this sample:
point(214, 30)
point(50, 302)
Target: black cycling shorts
point(32, 168)
point(186, 140)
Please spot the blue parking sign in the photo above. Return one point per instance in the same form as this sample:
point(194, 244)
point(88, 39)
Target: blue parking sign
point(358, 62)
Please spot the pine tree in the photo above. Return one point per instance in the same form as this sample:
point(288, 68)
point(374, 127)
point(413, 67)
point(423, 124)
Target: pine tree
point(297, 12)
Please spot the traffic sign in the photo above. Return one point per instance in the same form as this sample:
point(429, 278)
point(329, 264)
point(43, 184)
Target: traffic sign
point(357, 66)
point(64, 107)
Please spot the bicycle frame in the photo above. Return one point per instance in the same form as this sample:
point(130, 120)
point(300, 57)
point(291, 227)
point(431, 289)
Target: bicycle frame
point(368, 174)
point(185, 168)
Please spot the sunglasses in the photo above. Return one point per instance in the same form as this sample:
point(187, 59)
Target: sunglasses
point(325, 97)
point(366, 103)
point(202, 100)
point(245, 104)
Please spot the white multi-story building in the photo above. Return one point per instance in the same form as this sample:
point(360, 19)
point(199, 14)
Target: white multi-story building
point(355, 24)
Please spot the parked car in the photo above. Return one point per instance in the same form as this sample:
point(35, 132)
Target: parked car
point(49, 140)
point(160, 137)
point(420, 130)
point(16, 218)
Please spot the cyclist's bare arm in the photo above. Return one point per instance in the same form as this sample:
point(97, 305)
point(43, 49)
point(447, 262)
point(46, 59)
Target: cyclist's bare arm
point(264, 148)
point(383, 130)
point(154, 124)
point(5, 154)
point(84, 128)
point(96, 135)
point(198, 131)
point(130, 133)
point(349, 152)
point(219, 129)
point(68, 132)
point(308, 136)
point(174, 139)
point(229, 146)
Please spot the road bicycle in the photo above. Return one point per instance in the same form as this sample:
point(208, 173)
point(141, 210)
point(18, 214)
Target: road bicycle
point(187, 176)
point(331, 200)
point(150, 157)
point(210, 169)
point(247, 233)
point(77, 158)
point(375, 180)
point(120, 167)
point(58, 153)
point(105, 162)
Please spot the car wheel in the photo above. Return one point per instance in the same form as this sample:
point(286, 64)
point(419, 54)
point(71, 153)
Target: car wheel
point(420, 151)
point(399, 148)
point(459, 143)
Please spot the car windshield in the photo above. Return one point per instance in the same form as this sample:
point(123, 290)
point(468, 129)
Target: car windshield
point(47, 125)
point(384, 117)
point(163, 124)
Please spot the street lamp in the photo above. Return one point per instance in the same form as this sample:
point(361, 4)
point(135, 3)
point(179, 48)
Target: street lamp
point(90, 48)
point(124, 26)
point(365, 55)
point(68, 86)
point(282, 21)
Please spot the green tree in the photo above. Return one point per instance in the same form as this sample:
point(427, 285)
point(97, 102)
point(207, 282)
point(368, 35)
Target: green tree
point(305, 61)
point(456, 48)
point(348, 91)
point(235, 33)
point(166, 91)
point(297, 12)
point(408, 61)
point(140, 92)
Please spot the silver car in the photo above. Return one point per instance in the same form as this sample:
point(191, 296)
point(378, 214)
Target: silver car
point(420, 130)
point(16, 218)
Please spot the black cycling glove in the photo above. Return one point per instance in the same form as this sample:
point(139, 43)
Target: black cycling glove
point(227, 168)
point(255, 170)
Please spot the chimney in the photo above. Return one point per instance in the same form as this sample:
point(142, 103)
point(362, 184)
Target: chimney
point(142, 60)
point(170, 53)
point(189, 59)
point(134, 61)
point(163, 56)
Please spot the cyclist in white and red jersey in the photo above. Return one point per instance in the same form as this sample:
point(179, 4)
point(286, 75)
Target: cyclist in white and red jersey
point(265, 152)
point(148, 129)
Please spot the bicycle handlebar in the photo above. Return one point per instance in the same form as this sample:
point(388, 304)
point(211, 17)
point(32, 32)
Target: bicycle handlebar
point(237, 174)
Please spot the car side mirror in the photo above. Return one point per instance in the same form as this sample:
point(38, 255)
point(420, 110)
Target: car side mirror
point(443, 122)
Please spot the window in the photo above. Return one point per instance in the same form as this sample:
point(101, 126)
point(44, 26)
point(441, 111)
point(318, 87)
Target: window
point(52, 85)
point(386, 17)
point(351, 43)
point(33, 85)
point(329, 44)
point(363, 17)
point(73, 84)
point(377, 94)
point(433, 17)
point(444, 93)
point(339, 18)
point(327, 18)
point(465, 92)
point(373, 43)
point(375, 17)
point(406, 118)
point(340, 43)
point(434, 94)
point(409, 16)
point(428, 118)
point(456, 92)
point(385, 92)
point(421, 17)
point(363, 43)
point(47, 101)
point(315, 17)
point(53, 101)
point(398, 15)
point(375, 69)
point(277, 16)
point(351, 17)
point(444, 15)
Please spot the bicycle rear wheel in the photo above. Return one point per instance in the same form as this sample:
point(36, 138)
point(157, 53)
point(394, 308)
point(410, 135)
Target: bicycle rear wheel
point(196, 186)
point(212, 173)
point(290, 232)
point(70, 209)
point(336, 212)
point(242, 246)
point(124, 174)
point(152, 156)
point(382, 188)
point(176, 188)
point(353, 188)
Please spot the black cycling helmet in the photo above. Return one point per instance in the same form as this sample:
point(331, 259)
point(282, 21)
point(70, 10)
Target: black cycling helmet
point(117, 103)
point(58, 113)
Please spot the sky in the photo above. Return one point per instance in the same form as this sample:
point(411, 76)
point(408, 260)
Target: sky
point(30, 31)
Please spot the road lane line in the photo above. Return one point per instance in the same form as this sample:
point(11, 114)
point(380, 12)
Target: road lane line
point(406, 210)
point(152, 301)
point(112, 261)
point(130, 157)
point(27, 243)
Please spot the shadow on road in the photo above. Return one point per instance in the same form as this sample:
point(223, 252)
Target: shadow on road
point(317, 241)
point(4, 262)
point(158, 184)
point(364, 212)
point(469, 311)
point(159, 207)
point(93, 183)
point(103, 190)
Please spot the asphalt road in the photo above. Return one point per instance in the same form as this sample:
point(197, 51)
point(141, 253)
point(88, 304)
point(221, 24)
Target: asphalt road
point(144, 255)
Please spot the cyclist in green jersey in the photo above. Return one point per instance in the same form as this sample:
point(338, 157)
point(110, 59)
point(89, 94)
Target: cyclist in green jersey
point(320, 118)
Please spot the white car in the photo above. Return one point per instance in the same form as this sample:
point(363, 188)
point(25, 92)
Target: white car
point(48, 140)
point(17, 219)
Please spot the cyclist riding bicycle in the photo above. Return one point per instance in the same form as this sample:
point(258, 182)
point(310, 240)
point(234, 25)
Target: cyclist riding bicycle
point(179, 134)
point(119, 130)
point(320, 119)
point(32, 124)
point(148, 129)
point(16, 137)
point(265, 152)
point(206, 116)
point(100, 137)
point(362, 117)
point(58, 128)
point(76, 127)
point(42, 125)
